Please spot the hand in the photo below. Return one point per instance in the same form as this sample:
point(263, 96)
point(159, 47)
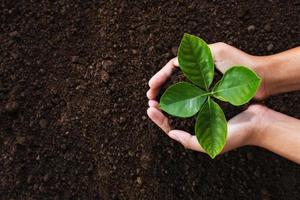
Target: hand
point(224, 57)
point(241, 128)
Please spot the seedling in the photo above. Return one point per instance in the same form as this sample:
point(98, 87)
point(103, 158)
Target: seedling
point(237, 86)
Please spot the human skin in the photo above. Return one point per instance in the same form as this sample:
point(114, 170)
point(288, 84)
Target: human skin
point(258, 125)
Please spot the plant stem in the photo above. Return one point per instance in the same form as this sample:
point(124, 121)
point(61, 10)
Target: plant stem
point(210, 93)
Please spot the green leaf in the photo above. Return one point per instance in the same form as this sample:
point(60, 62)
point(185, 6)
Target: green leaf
point(195, 61)
point(211, 128)
point(182, 99)
point(238, 86)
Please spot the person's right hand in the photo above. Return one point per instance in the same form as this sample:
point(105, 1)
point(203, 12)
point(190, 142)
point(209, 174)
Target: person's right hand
point(224, 57)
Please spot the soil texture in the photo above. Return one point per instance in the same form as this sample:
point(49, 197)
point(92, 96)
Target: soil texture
point(73, 78)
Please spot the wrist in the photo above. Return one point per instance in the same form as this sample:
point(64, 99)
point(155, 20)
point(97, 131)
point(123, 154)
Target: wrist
point(261, 65)
point(275, 79)
point(258, 124)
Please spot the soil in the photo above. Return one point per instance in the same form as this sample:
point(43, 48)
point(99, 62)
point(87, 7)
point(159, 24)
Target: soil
point(73, 78)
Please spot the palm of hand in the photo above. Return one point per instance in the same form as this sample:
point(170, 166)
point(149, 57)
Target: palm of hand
point(226, 56)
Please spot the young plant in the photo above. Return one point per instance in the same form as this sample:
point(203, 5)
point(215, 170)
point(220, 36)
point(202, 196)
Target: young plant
point(237, 86)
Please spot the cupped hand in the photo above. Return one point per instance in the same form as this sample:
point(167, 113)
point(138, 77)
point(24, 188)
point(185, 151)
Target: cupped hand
point(224, 57)
point(241, 128)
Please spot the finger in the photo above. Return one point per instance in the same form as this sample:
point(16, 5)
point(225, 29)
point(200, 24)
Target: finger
point(152, 93)
point(159, 119)
point(162, 75)
point(153, 103)
point(214, 48)
point(190, 141)
point(187, 140)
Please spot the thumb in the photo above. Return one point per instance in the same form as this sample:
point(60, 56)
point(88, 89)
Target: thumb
point(216, 49)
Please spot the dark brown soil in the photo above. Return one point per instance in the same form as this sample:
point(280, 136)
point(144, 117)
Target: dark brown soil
point(73, 78)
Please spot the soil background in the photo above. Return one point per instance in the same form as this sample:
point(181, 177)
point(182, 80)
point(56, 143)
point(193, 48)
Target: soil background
point(73, 78)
